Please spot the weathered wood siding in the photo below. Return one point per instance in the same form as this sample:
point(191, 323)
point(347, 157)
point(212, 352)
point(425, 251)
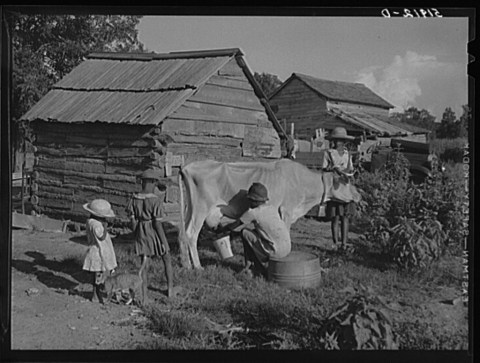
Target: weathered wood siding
point(298, 104)
point(224, 120)
point(352, 107)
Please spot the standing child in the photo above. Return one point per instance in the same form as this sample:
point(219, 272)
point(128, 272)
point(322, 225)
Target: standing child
point(146, 213)
point(100, 258)
point(338, 160)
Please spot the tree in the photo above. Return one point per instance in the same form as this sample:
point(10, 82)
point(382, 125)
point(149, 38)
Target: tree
point(413, 116)
point(47, 47)
point(449, 126)
point(465, 120)
point(268, 82)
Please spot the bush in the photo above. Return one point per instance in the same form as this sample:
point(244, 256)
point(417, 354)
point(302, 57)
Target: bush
point(360, 323)
point(411, 224)
point(449, 150)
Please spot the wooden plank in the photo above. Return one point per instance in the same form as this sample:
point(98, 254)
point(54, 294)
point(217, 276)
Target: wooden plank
point(232, 69)
point(229, 82)
point(133, 170)
point(172, 160)
point(55, 203)
point(84, 196)
point(202, 128)
point(43, 223)
point(85, 167)
point(51, 162)
point(52, 151)
point(209, 140)
point(53, 189)
point(172, 194)
point(93, 176)
point(230, 97)
point(117, 152)
point(81, 180)
point(73, 139)
point(123, 186)
point(49, 176)
point(209, 112)
point(127, 161)
point(261, 141)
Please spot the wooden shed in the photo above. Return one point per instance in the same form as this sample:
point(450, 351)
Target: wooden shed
point(115, 115)
point(310, 104)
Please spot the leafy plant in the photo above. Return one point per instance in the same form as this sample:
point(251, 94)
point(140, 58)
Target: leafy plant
point(412, 224)
point(360, 323)
point(416, 244)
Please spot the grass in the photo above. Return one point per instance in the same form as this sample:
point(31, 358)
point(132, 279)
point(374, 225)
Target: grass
point(268, 316)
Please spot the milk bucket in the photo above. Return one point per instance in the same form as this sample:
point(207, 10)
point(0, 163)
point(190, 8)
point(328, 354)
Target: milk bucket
point(222, 245)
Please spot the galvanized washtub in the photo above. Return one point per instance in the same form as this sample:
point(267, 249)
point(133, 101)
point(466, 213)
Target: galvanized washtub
point(295, 271)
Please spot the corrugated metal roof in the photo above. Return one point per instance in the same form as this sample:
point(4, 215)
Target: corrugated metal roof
point(343, 91)
point(118, 88)
point(372, 123)
point(140, 108)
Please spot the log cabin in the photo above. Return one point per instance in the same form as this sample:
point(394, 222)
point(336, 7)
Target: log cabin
point(115, 115)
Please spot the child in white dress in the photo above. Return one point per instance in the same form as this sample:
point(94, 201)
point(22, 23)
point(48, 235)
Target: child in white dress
point(100, 258)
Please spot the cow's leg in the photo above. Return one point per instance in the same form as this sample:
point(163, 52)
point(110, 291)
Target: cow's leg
point(192, 233)
point(192, 246)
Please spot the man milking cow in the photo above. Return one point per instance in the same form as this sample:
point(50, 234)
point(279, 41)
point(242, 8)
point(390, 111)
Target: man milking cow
point(214, 194)
point(264, 233)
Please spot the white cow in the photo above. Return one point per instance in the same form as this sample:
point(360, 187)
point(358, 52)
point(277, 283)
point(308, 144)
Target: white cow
point(215, 190)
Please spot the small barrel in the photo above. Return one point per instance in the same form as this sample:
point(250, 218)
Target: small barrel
point(223, 247)
point(295, 271)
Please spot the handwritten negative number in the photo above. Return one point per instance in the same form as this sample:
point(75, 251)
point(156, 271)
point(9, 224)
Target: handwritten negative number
point(413, 13)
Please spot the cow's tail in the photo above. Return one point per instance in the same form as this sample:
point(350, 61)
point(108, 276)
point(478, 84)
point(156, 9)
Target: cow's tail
point(182, 234)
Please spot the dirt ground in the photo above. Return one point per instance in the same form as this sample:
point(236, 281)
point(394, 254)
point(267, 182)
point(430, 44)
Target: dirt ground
point(50, 307)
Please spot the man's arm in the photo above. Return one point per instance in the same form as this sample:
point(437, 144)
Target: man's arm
point(229, 227)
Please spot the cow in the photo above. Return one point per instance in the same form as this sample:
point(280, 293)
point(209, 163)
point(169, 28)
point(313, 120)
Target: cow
point(215, 193)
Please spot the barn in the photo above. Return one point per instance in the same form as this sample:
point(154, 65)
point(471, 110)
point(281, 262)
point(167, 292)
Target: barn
point(310, 103)
point(115, 115)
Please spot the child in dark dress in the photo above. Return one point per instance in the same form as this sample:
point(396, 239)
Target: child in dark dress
point(146, 213)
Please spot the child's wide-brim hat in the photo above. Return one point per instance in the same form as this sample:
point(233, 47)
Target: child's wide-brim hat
point(339, 133)
point(100, 208)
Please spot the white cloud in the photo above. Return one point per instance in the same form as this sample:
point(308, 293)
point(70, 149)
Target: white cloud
point(404, 81)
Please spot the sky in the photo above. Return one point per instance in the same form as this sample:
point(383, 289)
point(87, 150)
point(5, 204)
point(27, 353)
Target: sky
point(419, 62)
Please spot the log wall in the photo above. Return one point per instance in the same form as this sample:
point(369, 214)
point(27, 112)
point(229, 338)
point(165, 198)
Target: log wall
point(77, 162)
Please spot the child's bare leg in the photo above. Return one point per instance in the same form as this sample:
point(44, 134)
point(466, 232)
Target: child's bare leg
point(167, 262)
point(345, 225)
point(144, 279)
point(335, 223)
point(94, 297)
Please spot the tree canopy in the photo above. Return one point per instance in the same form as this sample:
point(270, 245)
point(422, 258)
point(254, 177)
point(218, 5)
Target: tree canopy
point(268, 82)
point(450, 127)
point(46, 47)
point(413, 116)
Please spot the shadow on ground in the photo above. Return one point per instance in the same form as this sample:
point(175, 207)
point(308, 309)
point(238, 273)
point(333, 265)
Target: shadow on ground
point(65, 274)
